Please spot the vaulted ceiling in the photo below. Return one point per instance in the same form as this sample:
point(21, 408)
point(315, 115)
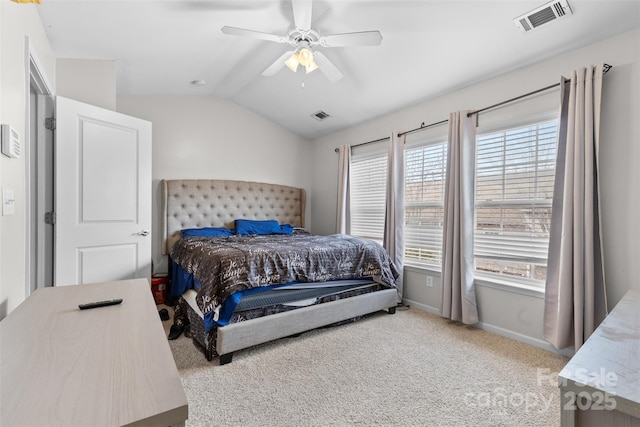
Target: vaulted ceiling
point(429, 48)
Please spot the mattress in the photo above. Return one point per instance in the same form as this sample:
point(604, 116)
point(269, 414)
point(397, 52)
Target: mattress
point(292, 295)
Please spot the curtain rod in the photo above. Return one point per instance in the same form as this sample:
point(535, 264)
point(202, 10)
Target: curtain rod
point(423, 126)
point(365, 143)
point(605, 69)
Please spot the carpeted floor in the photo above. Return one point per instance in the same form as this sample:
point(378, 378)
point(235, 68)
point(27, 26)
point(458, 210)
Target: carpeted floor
point(408, 369)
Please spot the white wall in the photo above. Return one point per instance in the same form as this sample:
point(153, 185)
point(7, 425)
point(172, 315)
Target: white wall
point(16, 22)
point(520, 314)
point(212, 138)
point(90, 81)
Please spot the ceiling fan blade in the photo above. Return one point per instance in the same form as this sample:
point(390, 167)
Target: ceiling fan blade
point(327, 67)
point(235, 31)
point(302, 14)
point(277, 65)
point(364, 38)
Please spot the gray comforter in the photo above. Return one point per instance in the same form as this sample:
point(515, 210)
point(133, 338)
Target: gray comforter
point(224, 265)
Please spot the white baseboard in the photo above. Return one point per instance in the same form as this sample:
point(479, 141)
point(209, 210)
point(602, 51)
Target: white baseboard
point(499, 331)
point(523, 338)
point(423, 307)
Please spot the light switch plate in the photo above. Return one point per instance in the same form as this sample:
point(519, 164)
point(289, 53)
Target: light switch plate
point(8, 202)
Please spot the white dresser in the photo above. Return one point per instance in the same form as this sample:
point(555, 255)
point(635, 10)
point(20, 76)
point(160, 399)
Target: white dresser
point(107, 366)
point(600, 386)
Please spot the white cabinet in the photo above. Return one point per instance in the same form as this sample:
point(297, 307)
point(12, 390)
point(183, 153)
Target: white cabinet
point(600, 386)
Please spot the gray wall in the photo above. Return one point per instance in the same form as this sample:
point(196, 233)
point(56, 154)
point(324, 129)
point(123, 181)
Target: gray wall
point(199, 137)
point(518, 313)
point(92, 81)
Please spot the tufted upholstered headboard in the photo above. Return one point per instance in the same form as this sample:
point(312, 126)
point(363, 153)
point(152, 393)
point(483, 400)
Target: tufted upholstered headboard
point(196, 203)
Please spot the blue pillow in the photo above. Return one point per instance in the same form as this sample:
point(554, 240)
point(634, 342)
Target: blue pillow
point(286, 229)
point(246, 227)
point(207, 231)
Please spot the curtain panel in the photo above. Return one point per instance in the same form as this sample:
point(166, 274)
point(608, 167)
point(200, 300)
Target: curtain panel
point(393, 240)
point(458, 299)
point(343, 221)
point(575, 295)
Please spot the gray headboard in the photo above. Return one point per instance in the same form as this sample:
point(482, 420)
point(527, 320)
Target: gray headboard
point(196, 203)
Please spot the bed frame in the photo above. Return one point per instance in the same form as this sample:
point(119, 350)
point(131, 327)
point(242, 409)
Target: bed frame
point(217, 203)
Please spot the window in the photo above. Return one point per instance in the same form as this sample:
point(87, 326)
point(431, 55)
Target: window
point(368, 192)
point(514, 189)
point(425, 167)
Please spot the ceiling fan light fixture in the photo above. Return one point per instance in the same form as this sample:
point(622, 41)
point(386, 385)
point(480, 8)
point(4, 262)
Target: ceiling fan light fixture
point(305, 56)
point(302, 57)
point(293, 62)
point(311, 67)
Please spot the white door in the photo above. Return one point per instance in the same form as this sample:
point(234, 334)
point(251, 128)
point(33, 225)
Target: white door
point(102, 195)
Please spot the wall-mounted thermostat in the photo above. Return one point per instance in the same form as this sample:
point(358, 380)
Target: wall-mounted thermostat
point(10, 141)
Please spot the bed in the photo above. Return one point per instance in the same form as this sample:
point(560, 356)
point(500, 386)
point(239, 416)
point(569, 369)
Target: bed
point(240, 290)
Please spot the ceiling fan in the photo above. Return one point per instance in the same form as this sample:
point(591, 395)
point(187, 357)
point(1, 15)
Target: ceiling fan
point(304, 39)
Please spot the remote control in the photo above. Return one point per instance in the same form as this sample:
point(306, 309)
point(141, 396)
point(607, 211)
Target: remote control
point(99, 304)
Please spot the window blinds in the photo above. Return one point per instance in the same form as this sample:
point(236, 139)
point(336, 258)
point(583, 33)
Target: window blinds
point(424, 203)
point(514, 191)
point(368, 179)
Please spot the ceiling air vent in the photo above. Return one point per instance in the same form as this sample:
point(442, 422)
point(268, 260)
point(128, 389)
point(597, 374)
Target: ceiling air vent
point(320, 115)
point(545, 13)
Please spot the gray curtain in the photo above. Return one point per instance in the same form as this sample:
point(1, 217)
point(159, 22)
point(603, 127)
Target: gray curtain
point(393, 240)
point(458, 299)
point(575, 297)
point(343, 220)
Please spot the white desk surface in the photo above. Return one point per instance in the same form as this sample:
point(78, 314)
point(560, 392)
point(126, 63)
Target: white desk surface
point(611, 357)
point(105, 366)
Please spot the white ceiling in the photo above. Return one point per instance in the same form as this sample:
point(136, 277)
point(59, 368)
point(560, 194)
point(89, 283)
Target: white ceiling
point(429, 48)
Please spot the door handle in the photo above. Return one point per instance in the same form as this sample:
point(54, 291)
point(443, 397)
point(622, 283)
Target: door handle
point(143, 233)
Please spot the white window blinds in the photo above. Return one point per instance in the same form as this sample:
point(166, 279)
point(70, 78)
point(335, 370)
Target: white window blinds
point(368, 191)
point(424, 203)
point(514, 190)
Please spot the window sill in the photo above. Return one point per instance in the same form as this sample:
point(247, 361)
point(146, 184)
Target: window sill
point(506, 286)
point(487, 282)
point(431, 271)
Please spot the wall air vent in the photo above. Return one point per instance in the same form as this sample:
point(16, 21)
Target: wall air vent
point(320, 115)
point(543, 14)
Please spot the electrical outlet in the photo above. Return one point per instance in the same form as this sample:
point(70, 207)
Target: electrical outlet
point(429, 282)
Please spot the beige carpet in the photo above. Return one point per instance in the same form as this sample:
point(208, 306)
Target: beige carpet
point(408, 369)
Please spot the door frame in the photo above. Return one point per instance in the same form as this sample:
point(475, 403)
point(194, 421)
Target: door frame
point(34, 182)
